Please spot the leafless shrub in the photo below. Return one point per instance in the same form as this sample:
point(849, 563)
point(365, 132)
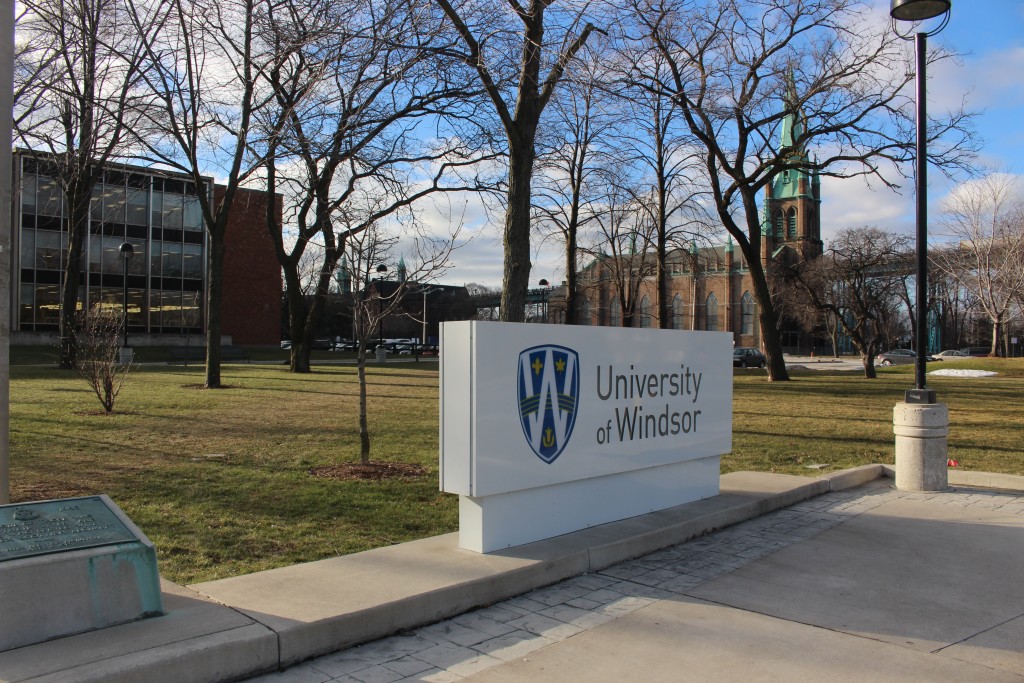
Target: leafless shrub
point(99, 351)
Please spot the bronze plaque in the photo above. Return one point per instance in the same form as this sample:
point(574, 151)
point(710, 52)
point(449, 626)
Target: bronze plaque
point(53, 526)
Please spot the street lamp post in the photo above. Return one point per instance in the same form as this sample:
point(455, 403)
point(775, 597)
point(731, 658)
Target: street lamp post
point(127, 251)
point(381, 351)
point(425, 291)
point(544, 300)
point(920, 423)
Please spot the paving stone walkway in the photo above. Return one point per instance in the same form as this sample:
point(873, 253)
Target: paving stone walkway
point(472, 642)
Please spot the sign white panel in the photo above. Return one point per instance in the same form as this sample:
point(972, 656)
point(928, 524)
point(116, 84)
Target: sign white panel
point(526, 406)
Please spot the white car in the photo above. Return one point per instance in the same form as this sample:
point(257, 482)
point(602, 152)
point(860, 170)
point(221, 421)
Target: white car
point(950, 354)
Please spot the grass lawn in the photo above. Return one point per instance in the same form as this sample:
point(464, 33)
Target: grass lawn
point(220, 479)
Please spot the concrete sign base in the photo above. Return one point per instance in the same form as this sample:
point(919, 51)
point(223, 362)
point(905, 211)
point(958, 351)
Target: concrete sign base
point(500, 521)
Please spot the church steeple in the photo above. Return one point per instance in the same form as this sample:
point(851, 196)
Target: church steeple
point(342, 277)
point(402, 271)
point(792, 200)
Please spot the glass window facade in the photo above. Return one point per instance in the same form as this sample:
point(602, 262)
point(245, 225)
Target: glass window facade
point(157, 214)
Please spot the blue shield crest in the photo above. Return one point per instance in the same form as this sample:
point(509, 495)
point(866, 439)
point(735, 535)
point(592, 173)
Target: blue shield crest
point(549, 386)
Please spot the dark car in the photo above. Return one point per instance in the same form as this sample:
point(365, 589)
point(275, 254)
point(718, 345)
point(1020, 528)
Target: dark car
point(900, 357)
point(746, 357)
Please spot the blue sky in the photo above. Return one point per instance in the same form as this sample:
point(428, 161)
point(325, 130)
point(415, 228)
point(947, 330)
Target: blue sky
point(990, 37)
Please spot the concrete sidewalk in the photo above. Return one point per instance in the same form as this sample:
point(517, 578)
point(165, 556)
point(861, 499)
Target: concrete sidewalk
point(838, 577)
point(867, 584)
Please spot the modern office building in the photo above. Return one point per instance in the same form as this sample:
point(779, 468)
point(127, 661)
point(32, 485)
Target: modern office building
point(158, 213)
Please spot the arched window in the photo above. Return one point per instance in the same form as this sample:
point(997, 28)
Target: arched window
point(791, 224)
point(678, 309)
point(711, 319)
point(585, 312)
point(777, 225)
point(747, 314)
point(645, 312)
point(615, 313)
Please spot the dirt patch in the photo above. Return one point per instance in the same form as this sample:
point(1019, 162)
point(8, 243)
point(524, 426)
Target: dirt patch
point(372, 471)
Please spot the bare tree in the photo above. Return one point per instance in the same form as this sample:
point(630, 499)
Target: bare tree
point(75, 101)
point(573, 151)
point(986, 218)
point(352, 86)
point(99, 349)
point(739, 68)
point(657, 143)
point(374, 298)
point(623, 241)
point(857, 282)
point(546, 36)
point(203, 64)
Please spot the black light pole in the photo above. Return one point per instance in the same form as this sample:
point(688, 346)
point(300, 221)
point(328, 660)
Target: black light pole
point(127, 250)
point(381, 270)
point(915, 11)
point(544, 300)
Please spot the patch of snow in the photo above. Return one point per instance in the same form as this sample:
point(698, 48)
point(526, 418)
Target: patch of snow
point(953, 372)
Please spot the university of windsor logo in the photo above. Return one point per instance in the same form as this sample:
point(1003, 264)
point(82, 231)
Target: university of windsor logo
point(549, 383)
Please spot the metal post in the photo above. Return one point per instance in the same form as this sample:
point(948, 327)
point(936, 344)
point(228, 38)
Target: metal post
point(124, 303)
point(6, 235)
point(920, 393)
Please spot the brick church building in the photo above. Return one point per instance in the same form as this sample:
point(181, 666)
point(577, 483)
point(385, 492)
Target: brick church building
point(707, 288)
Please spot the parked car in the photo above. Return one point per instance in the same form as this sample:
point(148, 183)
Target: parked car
point(977, 351)
point(950, 354)
point(900, 357)
point(286, 343)
point(746, 357)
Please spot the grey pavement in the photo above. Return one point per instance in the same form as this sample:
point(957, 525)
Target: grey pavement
point(864, 584)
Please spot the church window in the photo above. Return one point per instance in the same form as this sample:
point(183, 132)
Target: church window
point(678, 309)
point(711, 313)
point(645, 312)
point(747, 314)
point(791, 224)
point(615, 313)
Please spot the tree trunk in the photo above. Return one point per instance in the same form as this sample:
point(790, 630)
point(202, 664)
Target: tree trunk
point(516, 280)
point(571, 279)
point(214, 297)
point(868, 359)
point(364, 430)
point(997, 329)
point(78, 226)
point(296, 303)
point(769, 324)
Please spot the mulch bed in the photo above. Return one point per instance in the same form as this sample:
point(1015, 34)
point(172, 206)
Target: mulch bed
point(372, 471)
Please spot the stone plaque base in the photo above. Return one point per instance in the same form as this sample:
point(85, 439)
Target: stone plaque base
point(48, 591)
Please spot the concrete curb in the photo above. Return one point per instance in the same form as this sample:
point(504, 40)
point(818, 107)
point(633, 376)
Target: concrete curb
point(988, 480)
point(246, 625)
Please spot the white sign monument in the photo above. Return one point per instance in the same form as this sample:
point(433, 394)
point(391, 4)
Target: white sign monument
point(548, 429)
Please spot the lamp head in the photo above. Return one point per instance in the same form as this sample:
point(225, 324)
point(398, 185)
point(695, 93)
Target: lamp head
point(127, 250)
point(382, 269)
point(918, 10)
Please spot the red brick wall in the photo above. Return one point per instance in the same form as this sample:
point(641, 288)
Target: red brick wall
point(251, 311)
